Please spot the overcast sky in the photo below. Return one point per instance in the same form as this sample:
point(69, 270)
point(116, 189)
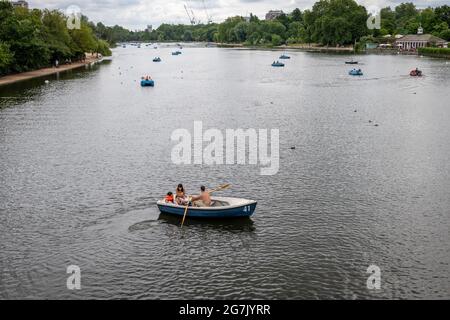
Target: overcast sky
point(137, 14)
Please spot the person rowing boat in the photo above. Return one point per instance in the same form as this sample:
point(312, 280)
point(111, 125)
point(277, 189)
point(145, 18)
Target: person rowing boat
point(202, 200)
point(219, 207)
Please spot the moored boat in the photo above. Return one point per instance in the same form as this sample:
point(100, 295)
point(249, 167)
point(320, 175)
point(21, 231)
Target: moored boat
point(351, 62)
point(222, 207)
point(175, 53)
point(283, 56)
point(157, 59)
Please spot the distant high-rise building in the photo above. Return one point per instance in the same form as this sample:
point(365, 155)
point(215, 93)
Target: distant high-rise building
point(149, 28)
point(272, 14)
point(20, 3)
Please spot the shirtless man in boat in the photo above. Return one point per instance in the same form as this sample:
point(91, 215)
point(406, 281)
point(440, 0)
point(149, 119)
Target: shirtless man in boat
point(202, 200)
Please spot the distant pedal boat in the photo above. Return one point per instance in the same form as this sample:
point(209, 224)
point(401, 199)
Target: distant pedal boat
point(147, 83)
point(283, 56)
point(277, 64)
point(355, 72)
point(222, 207)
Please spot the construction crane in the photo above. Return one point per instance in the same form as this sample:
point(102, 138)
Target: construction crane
point(208, 17)
point(191, 19)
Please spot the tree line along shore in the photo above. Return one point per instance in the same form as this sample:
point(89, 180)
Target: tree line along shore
point(34, 39)
point(327, 23)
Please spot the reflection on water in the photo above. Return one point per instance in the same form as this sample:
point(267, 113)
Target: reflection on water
point(244, 224)
point(84, 158)
point(143, 225)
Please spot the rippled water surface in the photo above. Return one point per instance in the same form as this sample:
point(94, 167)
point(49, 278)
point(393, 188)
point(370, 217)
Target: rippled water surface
point(84, 159)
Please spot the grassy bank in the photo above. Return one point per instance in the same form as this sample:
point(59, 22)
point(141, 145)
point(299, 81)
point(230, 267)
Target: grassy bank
point(435, 52)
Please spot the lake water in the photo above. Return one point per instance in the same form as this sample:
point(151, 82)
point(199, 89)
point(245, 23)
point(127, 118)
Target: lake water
point(84, 159)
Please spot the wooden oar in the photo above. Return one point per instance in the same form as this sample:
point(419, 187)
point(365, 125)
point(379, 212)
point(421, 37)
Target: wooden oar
point(222, 187)
point(185, 211)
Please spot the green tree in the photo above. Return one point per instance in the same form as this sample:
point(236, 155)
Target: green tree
point(406, 16)
point(240, 31)
point(334, 22)
point(443, 14)
point(188, 36)
point(388, 20)
point(296, 15)
point(445, 34)
point(83, 39)
point(6, 58)
point(276, 40)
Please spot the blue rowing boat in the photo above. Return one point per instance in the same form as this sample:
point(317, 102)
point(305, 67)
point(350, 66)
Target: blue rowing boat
point(147, 83)
point(222, 207)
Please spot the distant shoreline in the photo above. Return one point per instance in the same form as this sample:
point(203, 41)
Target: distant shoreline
point(13, 78)
point(302, 47)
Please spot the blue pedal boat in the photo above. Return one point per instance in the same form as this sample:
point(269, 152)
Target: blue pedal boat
point(147, 83)
point(175, 53)
point(222, 207)
point(277, 64)
point(355, 72)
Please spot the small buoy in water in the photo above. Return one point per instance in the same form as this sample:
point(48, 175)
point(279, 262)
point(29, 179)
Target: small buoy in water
point(376, 124)
point(271, 102)
point(370, 121)
point(293, 148)
point(414, 92)
point(47, 82)
point(355, 111)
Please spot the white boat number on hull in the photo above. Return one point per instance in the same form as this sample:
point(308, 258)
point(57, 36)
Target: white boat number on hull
point(247, 209)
